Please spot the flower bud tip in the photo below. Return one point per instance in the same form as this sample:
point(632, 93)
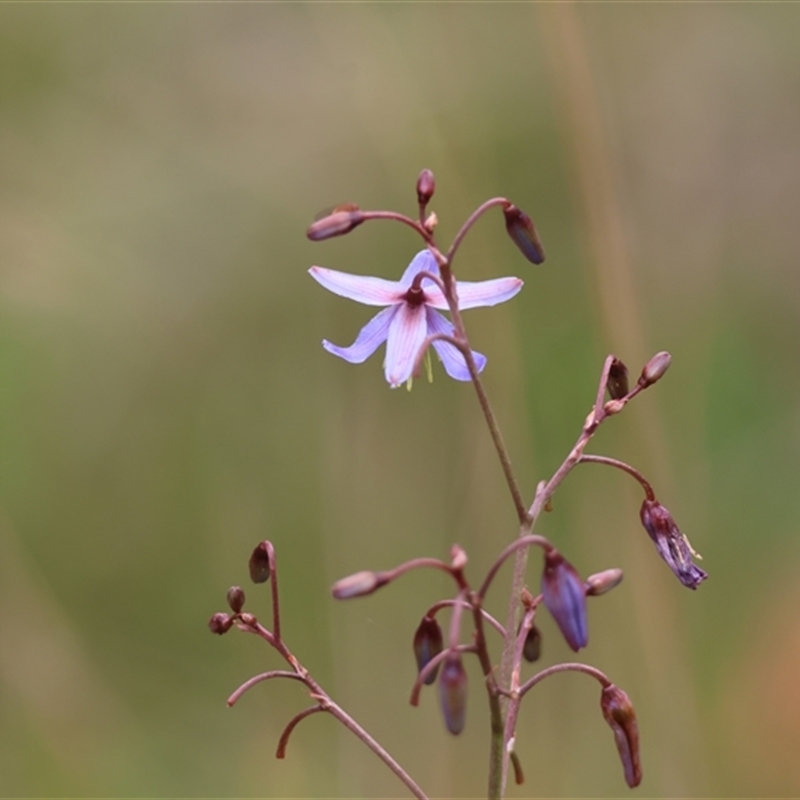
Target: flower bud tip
point(523, 233)
point(359, 584)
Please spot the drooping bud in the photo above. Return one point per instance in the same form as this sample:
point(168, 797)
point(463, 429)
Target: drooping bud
point(236, 599)
point(260, 567)
point(426, 186)
point(453, 694)
point(220, 623)
point(523, 233)
point(359, 584)
point(337, 222)
point(565, 597)
point(617, 382)
point(654, 369)
point(671, 544)
point(532, 649)
point(428, 643)
point(619, 714)
point(602, 582)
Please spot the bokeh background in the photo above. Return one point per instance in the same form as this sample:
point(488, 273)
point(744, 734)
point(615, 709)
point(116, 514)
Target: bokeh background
point(165, 402)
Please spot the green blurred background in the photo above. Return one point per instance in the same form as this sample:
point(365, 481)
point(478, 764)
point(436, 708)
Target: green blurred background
point(165, 402)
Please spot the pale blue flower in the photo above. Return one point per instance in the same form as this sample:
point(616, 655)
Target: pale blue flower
point(410, 316)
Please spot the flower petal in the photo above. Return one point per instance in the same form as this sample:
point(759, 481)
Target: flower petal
point(370, 337)
point(361, 288)
point(486, 293)
point(407, 332)
point(422, 262)
point(452, 359)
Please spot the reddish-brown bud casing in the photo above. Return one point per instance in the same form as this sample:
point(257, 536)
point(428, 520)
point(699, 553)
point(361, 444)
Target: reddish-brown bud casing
point(426, 186)
point(453, 694)
point(619, 714)
point(428, 643)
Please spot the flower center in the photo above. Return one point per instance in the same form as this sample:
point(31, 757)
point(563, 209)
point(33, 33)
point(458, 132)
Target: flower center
point(414, 296)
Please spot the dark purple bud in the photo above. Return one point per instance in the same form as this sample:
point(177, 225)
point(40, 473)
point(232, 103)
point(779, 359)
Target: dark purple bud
point(220, 623)
point(236, 599)
point(523, 233)
point(565, 597)
point(602, 582)
point(617, 382)
point(619, 714)
point(453, 694)
point(339, 221)
point(426, 186)
point(428, 642)
point(532, 649)
point(260, 566)
point(671, 544)
point(654, 369)
point(358, 585)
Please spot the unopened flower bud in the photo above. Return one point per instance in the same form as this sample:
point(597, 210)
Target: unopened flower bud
point(532, 649)
point(655, 368)
point(428, 643)
point(671, 544)
point(619, 714)
point(431, 221)
point(236, 599)
point(426, 186)
point(260, 567)
point(220, 623)
point(523, 233)
point(564, 595)
point(617, 381)
point(358, 585)
point(339, 221)
point(602, 582)
point(453, 694)
point(458, 557)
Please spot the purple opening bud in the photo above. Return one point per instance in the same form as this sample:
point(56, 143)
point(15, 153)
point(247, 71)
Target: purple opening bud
point(428, 643)
point(532, 649)
point(654, 369)
point(260, 567)
point(565, 597)
point(220, 623)
point(671, 544)
point(426, 186)
point(619, 714)
point(602, 582)
point(236, 599)
point(523, 233)
point(358, 585)
point(339, 222)
point(617, 382)
point(453, 694)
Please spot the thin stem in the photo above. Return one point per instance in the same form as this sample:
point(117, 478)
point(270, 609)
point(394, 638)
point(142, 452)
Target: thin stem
point(293, 722)
point(418, 227)
point(472, 219)
point(433, 664)
point(486, 615)
point(264, 676)
point(523, 541)
point(613, 462)
point(276, 610)
point(571, 666)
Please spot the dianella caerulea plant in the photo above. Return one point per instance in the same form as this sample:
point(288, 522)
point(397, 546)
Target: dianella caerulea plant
point(410, 323)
